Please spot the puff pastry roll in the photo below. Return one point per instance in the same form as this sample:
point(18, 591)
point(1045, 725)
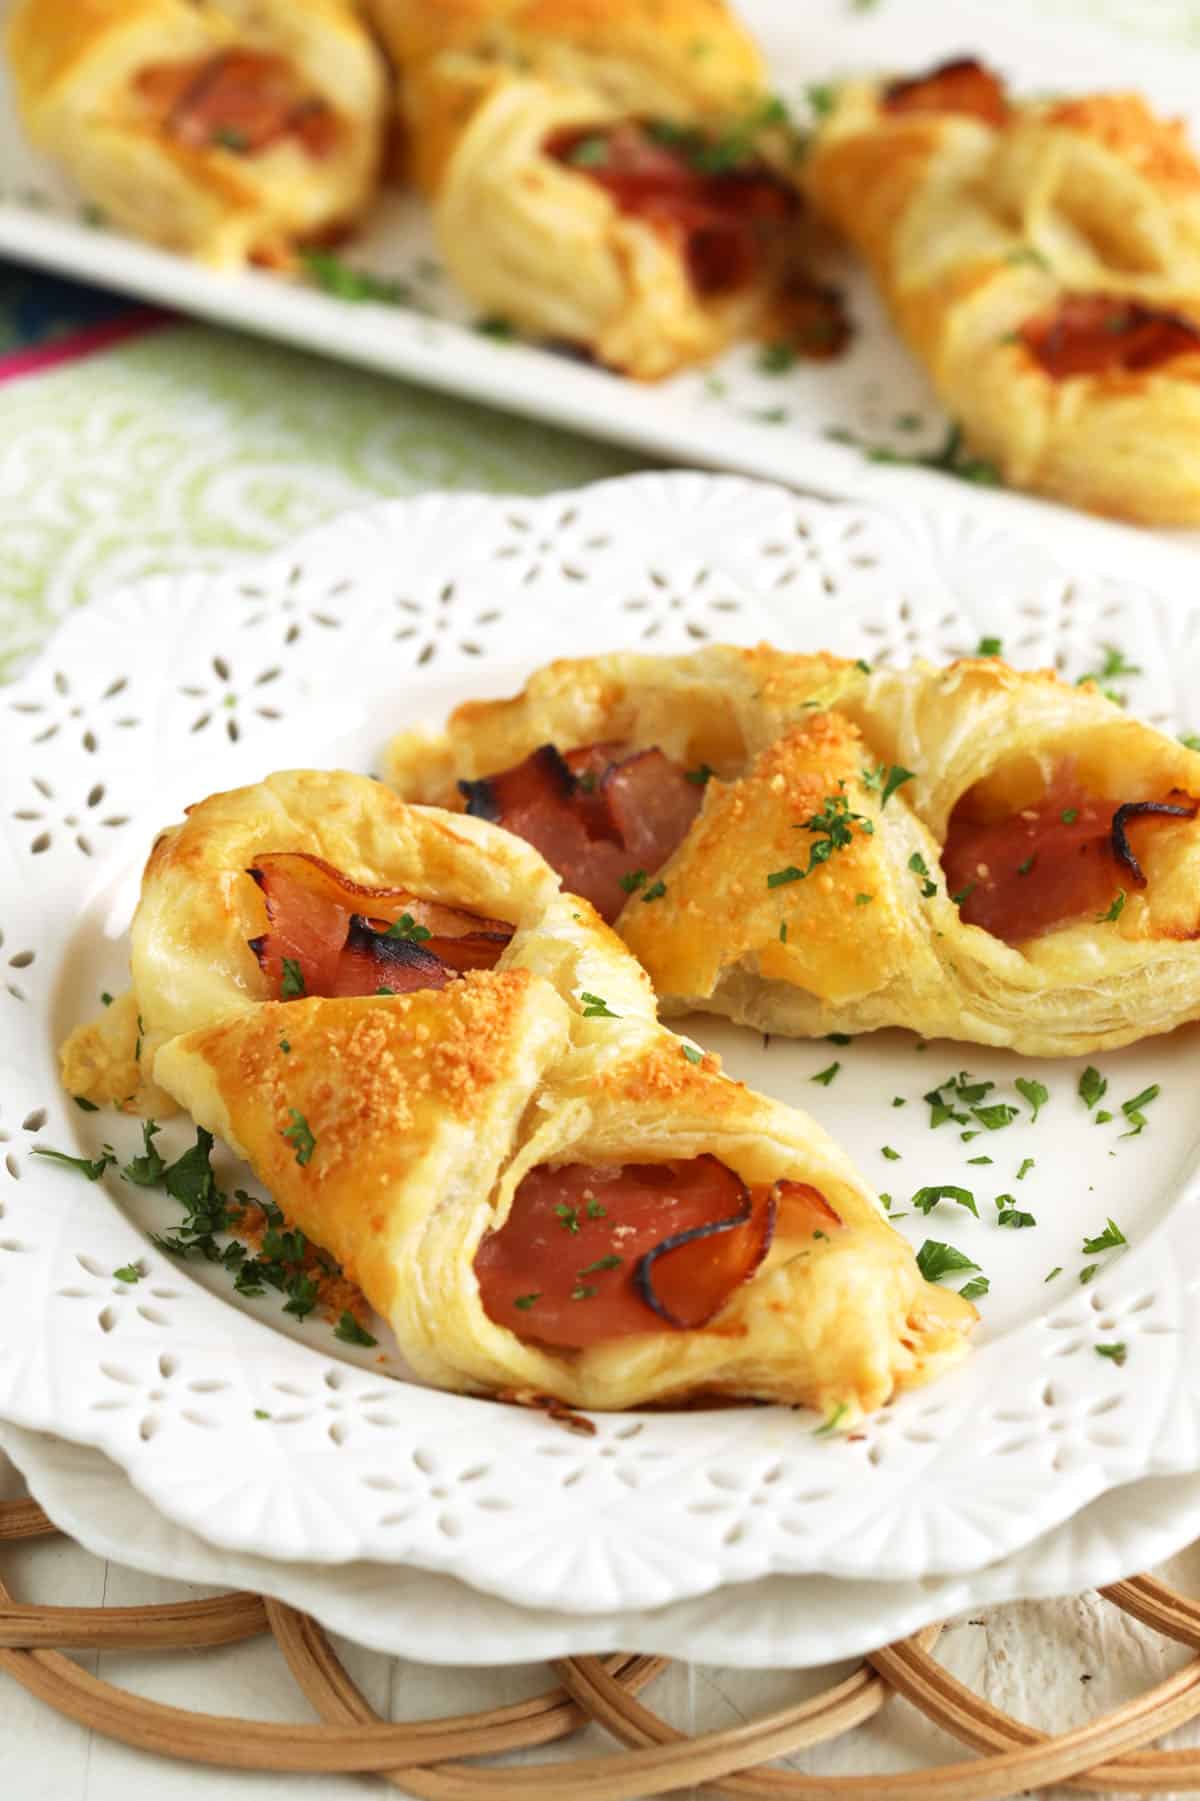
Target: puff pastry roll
point(971, 852)
point(227, 128)
point(606, 1223)
point(1043, 261)
point(309, 883)
point(599, 174)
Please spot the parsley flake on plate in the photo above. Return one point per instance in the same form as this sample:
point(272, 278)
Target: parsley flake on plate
point(1133, 1110)
point(350, 1331)
point(1092, 1086)
point(936, 1260)
point(1111, 1238)
point(926, 1199)
point(1036, 1093)
point(825, 1076)
point(91, 1167)
point(1116, 1353)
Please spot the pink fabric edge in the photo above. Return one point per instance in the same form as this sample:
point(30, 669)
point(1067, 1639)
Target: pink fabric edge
point(80, 344)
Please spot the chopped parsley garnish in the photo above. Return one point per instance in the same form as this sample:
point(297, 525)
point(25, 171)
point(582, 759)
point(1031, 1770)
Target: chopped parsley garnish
point(595, 1007)
point(863, 900)
point(783, 931)
point(382, 989)
point(893, 1156)
point(635, 878)
point(594, 1210)
point(1025, 867)
point(833, 827)
point(776, 358)
point(299, 1137)
point(302, 1296)
point(1116, 1353)
point(137, 1049)
point(1027, 1163)
point(1027, 253)
point(1036, 1093)
point(691, 1053)
point(1189, 740)
point(407, 928)
point(1110, 1239)
point(285, 1047)
point(106, 999)
point(839, 1038)
point(1102, 1118)
point(1132, 1109)
point(978, 1285)
point(926, 1199)
point(964, 894)
point(1115, 910)
point(260, 1413)
point(990, 647)
point(589, 153)
point(350, 1332)
point(1087, 1272)
point(1012, 1216)
point(584, 1291)
point(825, 1076)
point(493, 326)
point(886, 779)
point(701, 776)
point(898, 1100)
point(293, 979)
point(128, 1272)
point(1056, 1271)
point(1069, 815)
point(526, 1301)
point(822, 97)
point(951, 457)
point(979, 1159)
point(936, 1260)
point(568, 1216)
point(1092, 1086)
point(146, 1171)
point(832, 1421)
point(1114, 664)
point(994, 1118)
point(612, 1262)
point(91, 1167)
point(654, 892)
point(919, 867)
point(333, 276)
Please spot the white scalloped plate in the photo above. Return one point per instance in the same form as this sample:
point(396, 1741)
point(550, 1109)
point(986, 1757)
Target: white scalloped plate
point(777, 1622)
point(185, 684)
point(775, 427)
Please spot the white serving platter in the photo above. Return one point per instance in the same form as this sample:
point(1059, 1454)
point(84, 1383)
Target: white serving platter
point(716, 417)
point(185, 684)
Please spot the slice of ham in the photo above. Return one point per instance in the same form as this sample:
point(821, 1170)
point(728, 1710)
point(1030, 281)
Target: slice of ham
point(718, 216)
point(592, 1254)
point(595, 815)
point(961, 86)
point(1065, 859)
point(1101, 334)
point(339, 933)
point(239, 100)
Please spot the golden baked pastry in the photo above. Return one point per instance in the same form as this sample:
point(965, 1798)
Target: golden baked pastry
point(231, 129)
point(549, 1204)
point(971, 852)
point(1042, 259)
point(601, 173)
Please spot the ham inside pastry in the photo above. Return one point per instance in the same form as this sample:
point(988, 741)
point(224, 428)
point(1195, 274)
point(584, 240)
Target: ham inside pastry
point(604, 818)
point(330, 936)
point(589, 1255)
point(963, 86)
point(243, 101)
point(1067, 857)
point(1101, 334)
point(676, 181)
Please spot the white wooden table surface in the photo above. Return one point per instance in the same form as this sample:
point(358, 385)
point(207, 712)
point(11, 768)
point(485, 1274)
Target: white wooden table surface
point(1054, 1664)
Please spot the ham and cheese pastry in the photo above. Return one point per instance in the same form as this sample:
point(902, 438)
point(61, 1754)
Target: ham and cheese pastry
point(1042, 259)
point(232, 129)
point(599, 183)
point(546, 1201)
point(970, 852)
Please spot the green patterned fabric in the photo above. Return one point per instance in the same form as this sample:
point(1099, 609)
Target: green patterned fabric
point(194, 446)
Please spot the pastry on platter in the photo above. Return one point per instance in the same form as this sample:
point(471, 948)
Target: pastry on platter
point(550, 1199)
point(1042, 258)
point(614, 177)
point(451, 1077)
point(809, 847)
point(232, 129)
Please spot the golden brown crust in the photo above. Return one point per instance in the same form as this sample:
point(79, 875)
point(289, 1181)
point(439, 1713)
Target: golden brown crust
point(972, 231)
point(855, 942)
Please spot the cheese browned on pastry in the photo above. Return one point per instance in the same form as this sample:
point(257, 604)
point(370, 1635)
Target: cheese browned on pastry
point(229, 128)
point(970, 852)
point(594, 1218)
point(598, 173)
point(1043, 260)
point(311, 882)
